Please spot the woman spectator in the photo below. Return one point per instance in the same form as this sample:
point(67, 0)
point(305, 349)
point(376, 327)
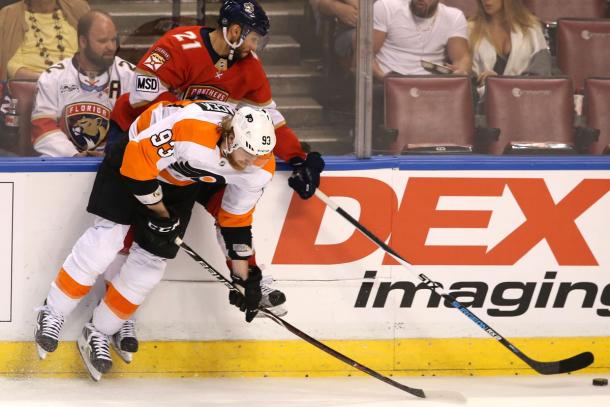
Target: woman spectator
point(507, 39)
point(35, 34)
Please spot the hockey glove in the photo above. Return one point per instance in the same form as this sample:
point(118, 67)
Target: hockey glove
point(250, 297)
point(160, 233)
point(305, 177)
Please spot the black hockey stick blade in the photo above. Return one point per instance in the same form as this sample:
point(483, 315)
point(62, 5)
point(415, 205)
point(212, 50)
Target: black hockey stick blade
point(414, 391)
point(571, 364)
point(342, 357)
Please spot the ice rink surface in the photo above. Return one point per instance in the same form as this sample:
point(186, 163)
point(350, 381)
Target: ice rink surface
point(518, 391)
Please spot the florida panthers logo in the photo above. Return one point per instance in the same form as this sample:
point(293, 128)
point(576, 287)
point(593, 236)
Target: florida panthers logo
point(86, 124)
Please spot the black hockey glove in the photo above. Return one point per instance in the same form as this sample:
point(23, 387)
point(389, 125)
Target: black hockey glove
point(250, 299)
point(160, 233)
point(305, 177)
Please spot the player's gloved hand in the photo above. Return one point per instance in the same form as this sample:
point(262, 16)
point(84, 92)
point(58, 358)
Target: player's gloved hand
point(305, 177)
point(250, 298)
point(162, 231)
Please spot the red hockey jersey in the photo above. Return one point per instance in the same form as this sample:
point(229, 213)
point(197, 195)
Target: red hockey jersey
point(182, 64)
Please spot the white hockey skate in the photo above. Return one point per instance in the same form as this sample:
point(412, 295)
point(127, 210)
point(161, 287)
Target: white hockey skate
point(48, 327)
point(273, 299)
point(124, 342)
point(94, 348)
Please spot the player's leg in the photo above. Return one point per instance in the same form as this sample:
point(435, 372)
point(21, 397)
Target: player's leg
point(90, 256)
point(125, 341)
point(141, 272)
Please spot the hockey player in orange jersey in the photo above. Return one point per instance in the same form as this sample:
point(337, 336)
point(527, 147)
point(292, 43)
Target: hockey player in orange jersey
point(151, 181)
point(195, 62)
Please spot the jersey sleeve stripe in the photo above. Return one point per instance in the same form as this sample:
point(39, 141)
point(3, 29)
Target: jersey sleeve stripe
point(170, 179)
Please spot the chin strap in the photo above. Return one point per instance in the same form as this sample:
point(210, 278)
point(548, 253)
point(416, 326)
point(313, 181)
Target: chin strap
point(232, 45)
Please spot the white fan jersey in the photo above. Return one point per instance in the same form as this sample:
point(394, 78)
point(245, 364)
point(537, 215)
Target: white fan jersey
point(72, 110)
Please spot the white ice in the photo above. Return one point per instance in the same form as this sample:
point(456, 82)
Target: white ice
point(521, 391)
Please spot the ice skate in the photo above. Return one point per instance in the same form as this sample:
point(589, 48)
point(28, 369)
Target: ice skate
point(273, 299)
point(124, 342)
point(94, 348)
point(48, 327)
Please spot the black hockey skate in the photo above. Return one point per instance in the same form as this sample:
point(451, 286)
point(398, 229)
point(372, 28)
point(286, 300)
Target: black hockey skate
point(273, 299)
point(94, 348)
point(48, 327)
point(124, 342)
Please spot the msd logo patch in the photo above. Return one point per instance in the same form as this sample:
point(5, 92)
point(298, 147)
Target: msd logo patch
point(146, 83)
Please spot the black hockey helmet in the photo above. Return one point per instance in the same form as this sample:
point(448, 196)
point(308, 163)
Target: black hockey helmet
point(247, 13)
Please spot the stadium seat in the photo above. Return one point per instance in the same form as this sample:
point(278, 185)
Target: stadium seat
point(534, 114)
point(583, 49)
point(549, 11)
point(25, 93)
point(597, 111)
point(468, 7)
point(433, 114)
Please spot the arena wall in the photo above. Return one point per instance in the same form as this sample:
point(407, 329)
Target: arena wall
point(523, 241)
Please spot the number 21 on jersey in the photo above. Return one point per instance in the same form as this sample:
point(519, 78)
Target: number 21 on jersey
point(191, 40)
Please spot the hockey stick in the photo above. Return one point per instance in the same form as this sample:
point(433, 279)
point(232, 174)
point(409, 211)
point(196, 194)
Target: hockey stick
point(298, 332)
point(570, 364)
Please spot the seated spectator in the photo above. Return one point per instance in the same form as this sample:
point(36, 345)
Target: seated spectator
point(75, 96)
point(36, 34)
point(407, 33)
point(507, 39)
point(346, 14)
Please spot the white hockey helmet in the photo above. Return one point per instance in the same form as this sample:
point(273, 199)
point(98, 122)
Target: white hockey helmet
point(253, 130)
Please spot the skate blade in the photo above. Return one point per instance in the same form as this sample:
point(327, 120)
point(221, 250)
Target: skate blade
point(126, 356)
point(81, 343)
point(278, 310)
point(42, 354)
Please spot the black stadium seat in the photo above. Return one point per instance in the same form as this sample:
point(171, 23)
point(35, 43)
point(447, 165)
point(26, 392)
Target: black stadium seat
point(433, 114)
point(534, 115)
point(549, 11)
point(583, 48)
point(597, 111)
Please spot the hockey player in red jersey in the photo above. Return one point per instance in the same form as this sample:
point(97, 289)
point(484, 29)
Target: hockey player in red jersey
point(196, 62)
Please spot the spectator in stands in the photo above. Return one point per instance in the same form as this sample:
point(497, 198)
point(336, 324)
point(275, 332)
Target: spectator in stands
point(507, 39)
point(346, 14)
point(75, 97)
point(407, 33)
point(35, 34)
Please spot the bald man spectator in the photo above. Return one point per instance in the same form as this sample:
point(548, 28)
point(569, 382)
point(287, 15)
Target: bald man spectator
point(75, 96)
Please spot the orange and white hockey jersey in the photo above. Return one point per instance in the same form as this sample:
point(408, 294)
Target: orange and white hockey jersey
point(176, 143)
